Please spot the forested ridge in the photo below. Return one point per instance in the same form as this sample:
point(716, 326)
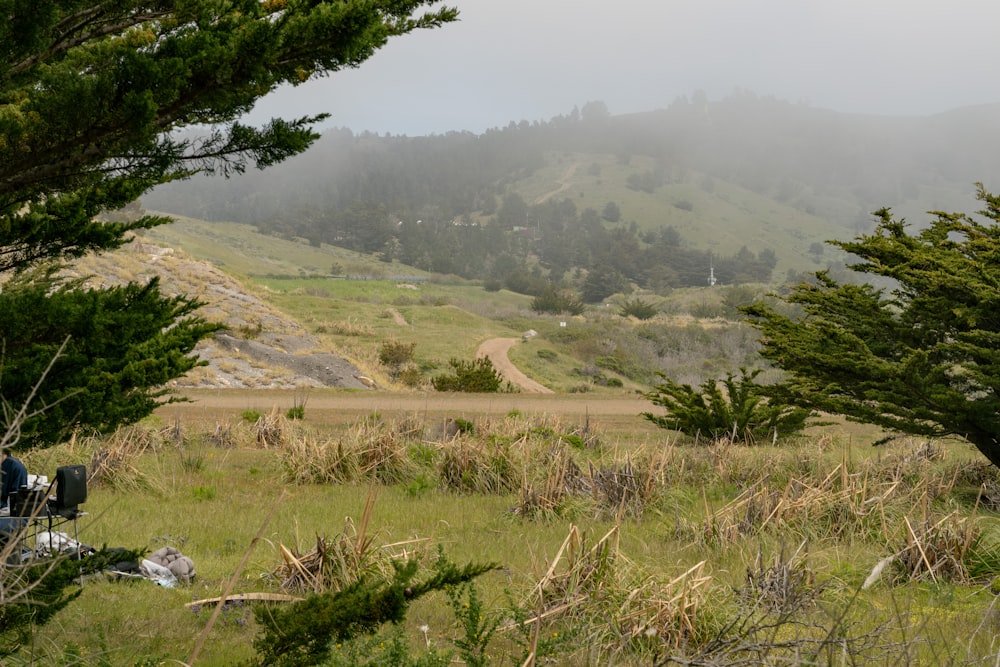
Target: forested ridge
point(740, 186)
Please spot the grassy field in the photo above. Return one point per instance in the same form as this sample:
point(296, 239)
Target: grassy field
point(629, 544)
point(626, 544)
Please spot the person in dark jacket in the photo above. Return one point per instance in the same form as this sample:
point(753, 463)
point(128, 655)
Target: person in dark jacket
point(13, 475)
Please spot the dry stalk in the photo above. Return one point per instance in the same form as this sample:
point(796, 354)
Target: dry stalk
point(270, 429)
point(113, 461)
point(786, 586)
point(937, 551)
point(334, 564)
point(582, 584)
point(839, 503)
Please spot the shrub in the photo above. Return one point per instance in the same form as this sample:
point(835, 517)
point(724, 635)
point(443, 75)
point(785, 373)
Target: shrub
point(554, 301)
point(637, 308)
point(478, 375)
point(736, 409)
point(411, 376)
point(395, 356)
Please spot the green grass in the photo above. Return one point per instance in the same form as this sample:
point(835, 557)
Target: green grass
point(212, 512)
point(439, 329)
point(240, 250)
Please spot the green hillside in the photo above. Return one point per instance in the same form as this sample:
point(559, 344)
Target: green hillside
point(446, 318)
point(707, 212)
point(241, 250)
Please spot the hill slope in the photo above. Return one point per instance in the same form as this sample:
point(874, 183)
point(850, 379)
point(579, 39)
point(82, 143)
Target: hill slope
point(263, 347)
point(742, 171)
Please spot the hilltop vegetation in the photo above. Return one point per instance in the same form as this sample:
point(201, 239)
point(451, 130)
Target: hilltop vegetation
point(751, 185)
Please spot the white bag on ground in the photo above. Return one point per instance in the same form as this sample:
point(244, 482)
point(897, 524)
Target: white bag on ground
point(157, 573)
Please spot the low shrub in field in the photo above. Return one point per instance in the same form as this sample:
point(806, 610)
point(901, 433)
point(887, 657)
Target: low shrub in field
point(477, 376)
point(638, 308)
point(734, 408)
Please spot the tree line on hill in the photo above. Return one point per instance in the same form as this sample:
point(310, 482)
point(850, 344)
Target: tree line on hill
point(445, 203)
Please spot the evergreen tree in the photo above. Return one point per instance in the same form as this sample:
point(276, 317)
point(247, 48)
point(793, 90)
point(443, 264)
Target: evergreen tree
point(303, 633)
point(93, 98)
point(921, 356)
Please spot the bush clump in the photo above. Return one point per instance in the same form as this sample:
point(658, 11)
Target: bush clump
point(477, 376)
point(734, 409)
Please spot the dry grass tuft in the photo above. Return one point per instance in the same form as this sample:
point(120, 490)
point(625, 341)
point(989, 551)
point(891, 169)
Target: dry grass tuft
point(348, 327)
point(940, 551)
point(270, 429)
point(786, 586)
point(840, 503)
point(113, 462)
point(583, 587)
point(308, 459)
point(337, 563)
point(370, 449)
point(472, 465)
point(383, 450)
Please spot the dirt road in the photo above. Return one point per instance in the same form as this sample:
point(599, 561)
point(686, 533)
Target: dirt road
point(495, 350)
point(612, 412)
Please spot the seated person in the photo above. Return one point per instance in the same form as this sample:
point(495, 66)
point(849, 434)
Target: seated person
point(13, 475)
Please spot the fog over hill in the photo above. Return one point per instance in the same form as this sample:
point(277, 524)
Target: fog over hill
point(753, 181)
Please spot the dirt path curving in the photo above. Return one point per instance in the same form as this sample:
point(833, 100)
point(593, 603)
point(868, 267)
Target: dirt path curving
point(564, 184)
point(495, 350)
point(398, 318)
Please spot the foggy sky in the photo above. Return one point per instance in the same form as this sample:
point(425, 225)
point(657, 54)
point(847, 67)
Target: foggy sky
point(512, 60)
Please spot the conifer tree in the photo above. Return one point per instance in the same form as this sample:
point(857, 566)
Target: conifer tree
point(920, 355)
point(94, 98)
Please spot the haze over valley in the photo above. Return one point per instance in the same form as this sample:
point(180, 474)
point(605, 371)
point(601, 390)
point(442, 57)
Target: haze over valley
point(749, 186)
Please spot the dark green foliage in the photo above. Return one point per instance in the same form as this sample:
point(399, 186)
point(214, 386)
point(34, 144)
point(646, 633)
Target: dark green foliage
point(477, 376)
point(734, 408)
point(556, 301)
point(94, 98)
point(301, 634)
point(92, 89)
point(477, 627)
point(646, 181)
point(638, 308)
point(611, 211)
point(601, 282)
point(464, 425)
point(921, 357)
point(389, 648)
point(122, 345)
point(48, 585)
point(395, 355)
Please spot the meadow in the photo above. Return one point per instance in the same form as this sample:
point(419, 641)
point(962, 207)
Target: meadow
point(616, 543)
